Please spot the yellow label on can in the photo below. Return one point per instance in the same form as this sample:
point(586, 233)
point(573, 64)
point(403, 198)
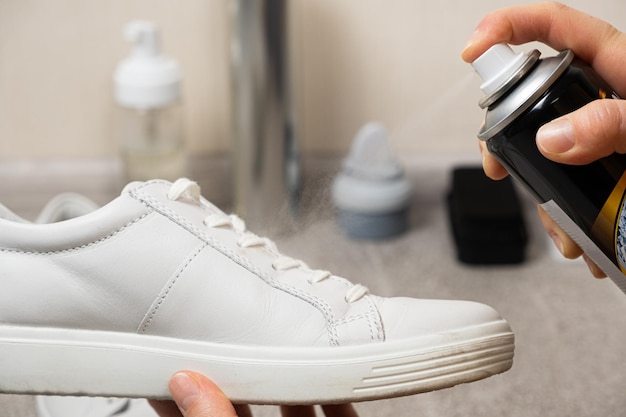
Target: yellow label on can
point(610, 225)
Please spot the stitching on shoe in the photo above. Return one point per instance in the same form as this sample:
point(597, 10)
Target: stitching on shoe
point(374, 330)
point(375, 322)
point(318, 303)
point(154, 308)
point(244, 262)
point(83, 246)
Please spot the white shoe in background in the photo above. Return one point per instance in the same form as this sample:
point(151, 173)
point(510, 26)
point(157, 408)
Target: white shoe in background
point(66, 206)
point(56, 406)
point(114, 302)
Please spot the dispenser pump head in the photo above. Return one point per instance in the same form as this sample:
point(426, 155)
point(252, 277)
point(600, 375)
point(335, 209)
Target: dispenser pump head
point(146, 78)
point(501, 68)
point(144, 36)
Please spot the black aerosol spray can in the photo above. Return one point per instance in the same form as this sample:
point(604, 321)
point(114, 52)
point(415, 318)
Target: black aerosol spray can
point(523, 92)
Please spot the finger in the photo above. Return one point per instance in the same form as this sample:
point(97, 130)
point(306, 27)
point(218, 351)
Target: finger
point(196, 396)
point(339, 410)
point(297, 411)
point(595, 269)
point(559, 26)
point(588, 134)
point(562, 241)
point(165, 408)
point(493, 169)
point(243, 410)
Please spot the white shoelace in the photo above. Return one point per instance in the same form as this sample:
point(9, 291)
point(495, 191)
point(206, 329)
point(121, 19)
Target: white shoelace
point(184, 188)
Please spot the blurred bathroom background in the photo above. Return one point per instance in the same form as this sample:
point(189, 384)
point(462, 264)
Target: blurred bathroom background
point(396, 62)
point(351, 61)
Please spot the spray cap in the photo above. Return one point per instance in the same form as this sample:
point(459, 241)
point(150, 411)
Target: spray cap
point(501, 68)
point(146, 78)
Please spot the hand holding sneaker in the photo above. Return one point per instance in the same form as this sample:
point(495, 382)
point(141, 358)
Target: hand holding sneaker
point(197, 396)
point(114, 302)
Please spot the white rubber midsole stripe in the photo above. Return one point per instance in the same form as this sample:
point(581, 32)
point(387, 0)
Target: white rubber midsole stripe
point(65, 361)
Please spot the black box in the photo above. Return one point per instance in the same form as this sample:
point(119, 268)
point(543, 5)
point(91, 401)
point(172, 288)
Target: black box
point(486, 218)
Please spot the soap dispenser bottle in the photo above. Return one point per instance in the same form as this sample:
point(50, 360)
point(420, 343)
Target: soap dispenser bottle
point(148, 93)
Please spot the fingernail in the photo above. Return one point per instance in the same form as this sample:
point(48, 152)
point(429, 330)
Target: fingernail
point(184, 390)
point(557, 242)
point(470, 41)
point(556, 137)
point(594, 268)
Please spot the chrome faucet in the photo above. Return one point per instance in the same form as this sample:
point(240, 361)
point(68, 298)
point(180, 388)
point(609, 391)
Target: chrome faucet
point(267, 169)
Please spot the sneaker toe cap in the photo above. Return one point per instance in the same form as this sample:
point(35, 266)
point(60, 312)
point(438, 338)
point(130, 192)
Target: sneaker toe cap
point(407, 317)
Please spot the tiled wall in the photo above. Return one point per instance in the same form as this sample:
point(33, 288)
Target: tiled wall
point(396, 61)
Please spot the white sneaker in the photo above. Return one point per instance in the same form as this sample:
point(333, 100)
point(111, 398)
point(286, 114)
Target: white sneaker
point(92, 407)
point(114, 302)
point(63, 207)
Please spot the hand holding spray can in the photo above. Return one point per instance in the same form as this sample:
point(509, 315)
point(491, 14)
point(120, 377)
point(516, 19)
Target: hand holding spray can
point(522, 93)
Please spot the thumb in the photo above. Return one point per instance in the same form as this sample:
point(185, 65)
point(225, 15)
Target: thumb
point(585, 135)
point(196, 396)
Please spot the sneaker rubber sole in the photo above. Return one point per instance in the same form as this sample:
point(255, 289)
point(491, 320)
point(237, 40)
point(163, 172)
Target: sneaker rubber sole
point(113, 364)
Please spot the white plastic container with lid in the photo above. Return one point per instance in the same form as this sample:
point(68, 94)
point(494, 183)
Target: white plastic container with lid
point(371, 193)
point(147, 88)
